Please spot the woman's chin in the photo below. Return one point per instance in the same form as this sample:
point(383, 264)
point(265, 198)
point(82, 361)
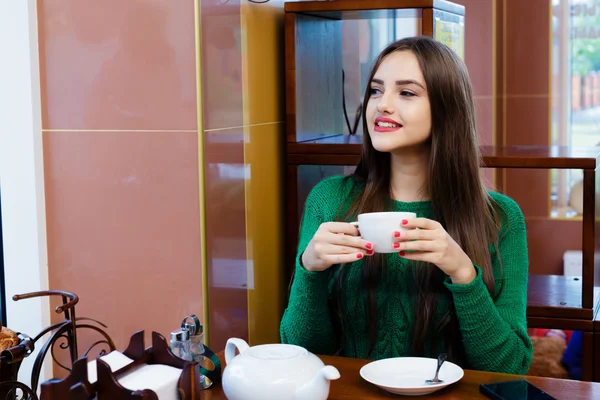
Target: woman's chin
point(396, 145)
point(383, 149)
point(386, 146)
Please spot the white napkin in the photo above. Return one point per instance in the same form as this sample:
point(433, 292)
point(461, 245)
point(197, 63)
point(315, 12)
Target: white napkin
point(115, 360)
point(162, 379)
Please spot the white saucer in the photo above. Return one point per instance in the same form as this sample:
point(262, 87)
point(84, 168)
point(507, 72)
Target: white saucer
point(407, 375)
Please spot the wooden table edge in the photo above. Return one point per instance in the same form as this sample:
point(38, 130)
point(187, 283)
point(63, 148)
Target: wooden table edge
point(351, 383)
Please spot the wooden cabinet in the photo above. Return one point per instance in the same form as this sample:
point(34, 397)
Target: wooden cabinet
point(329, 48)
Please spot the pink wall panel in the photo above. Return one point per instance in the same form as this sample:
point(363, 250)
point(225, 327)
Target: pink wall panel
point(479, 38)
point(121, 160)
point(119, 65)
point(123, 227)
point(527, 118)
point(479, 58)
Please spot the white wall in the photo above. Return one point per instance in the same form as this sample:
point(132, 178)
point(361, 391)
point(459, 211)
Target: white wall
point(21, 171)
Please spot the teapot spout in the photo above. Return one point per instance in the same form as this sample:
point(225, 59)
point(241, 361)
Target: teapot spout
point(318, 387)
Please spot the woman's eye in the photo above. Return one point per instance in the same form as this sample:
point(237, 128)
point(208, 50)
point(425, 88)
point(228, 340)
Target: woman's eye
point(406, 93)
point(373, 91)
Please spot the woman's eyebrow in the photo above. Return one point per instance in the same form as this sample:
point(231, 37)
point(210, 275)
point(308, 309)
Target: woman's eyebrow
point(400, 82)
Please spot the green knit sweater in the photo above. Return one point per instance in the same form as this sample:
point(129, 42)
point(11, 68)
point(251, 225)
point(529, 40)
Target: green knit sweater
point(494, 332)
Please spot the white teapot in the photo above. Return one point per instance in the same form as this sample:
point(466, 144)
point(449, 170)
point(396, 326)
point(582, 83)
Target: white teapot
point(274, 372)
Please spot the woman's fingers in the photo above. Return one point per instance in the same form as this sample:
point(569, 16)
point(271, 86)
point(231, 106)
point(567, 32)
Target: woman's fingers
point(417, 256)
point(422, 223)
point(332, 248)
point(335, 243)
point(350, 241)
point(342, 234)
point(420, 245)
point(341, 258)
point(340, 227)
point(415, 234)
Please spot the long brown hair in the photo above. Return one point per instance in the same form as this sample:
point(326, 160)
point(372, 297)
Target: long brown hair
point(459, 199)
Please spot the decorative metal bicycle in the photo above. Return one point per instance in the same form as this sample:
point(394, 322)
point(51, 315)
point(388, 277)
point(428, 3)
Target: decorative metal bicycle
point(63, 333)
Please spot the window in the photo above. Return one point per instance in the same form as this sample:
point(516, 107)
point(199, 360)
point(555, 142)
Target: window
point(575, 93)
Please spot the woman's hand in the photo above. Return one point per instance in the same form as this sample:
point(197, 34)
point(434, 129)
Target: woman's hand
point(335, 243)
point(431, 243)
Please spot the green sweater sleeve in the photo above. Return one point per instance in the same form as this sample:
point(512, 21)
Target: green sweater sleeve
point(495, 331)
point(306, 322)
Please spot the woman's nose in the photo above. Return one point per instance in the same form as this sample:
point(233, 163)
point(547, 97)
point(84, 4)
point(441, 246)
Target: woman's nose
point(385, 104)
point(384, 107)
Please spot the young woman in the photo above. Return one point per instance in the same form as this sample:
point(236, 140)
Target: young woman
point(463, 287)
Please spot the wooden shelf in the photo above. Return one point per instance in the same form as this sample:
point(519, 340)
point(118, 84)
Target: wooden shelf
point(542, 157)
point(546, 157)
point(568, 324)
point(349, 8)
point(331, 139)
point(557, 296)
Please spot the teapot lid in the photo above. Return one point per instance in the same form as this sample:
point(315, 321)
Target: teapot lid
point(275, 352)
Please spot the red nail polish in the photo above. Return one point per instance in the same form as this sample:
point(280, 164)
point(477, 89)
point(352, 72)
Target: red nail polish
point(359, 255)
point(402, 253)
point(396, 245)
point(404, 222)
point(369, 246)
point(396, 234)
point(370, 252)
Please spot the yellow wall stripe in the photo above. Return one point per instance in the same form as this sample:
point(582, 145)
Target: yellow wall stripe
point(263, 135)
point(201, 174)
point(247, 167)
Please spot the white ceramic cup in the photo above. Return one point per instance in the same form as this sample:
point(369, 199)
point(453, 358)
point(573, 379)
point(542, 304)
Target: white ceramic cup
point(379, 227)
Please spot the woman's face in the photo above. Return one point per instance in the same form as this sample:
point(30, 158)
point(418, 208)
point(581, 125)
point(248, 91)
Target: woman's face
point(398, 113)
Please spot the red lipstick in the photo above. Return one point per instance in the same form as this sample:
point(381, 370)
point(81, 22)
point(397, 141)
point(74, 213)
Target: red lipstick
point(386, 125)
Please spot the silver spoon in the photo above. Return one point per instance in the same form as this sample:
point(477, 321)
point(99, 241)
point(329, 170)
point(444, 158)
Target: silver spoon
point(441, 359)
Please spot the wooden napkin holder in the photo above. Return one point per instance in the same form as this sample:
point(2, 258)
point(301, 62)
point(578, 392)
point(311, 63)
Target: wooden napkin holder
point(76, 385)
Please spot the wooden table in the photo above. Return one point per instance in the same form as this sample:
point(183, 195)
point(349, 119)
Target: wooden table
point(352, 387)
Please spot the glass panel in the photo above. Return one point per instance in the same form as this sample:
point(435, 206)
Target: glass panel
point(229, 269)
point(450, 29)
point(333, 58)
point(310, 175)
point(576, 88)
point(585, 68)
point(573, 206)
